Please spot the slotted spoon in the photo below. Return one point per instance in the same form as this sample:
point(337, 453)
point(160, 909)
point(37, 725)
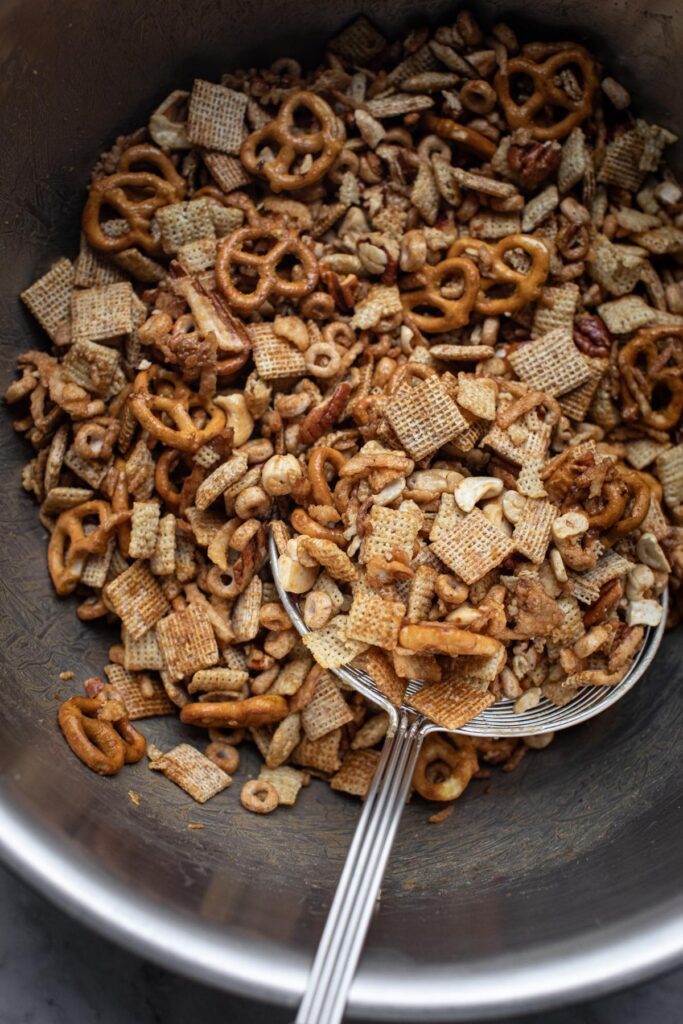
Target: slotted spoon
point(349, 916)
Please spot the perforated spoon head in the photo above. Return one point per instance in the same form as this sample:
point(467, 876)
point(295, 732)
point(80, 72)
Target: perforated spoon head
point(500, 719)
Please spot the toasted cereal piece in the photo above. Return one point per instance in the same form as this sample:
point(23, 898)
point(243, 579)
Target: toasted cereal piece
point(552, 363)
point(451, 703)
point(421, 593)
point(205, 525)
point(141, 653)
point(356, 773)
point(181, 223)
point(424, 417)
point(92, 366)
point(447, 517)
point(320, 755)
point(494, 226)
point(49, 298)
point(215, 117)
point(473, 547)
point(477, 395)
point(571, 627)
point(227, 171)
point(192, 771)
point(483, 184)
point(627, 314)
point(144, 529)
point(55, 458)
point(477, 670)
point(327, 585)
point(96, 568)
point(330, 645)
point(423, 60)
point(555, 310)
point(670, 472)
point(398, 105)
point(662, 240)
point(539, 207)
point(392, 529)
point(286, 737)
point(102, 313)
point(655, 522)
point(286, 782)
point(137, 599)
point(162, 562)
point(326, 711)
point(273, 356)
point(380, 669)
point(616, 267)
point(187, 642)
point(460, 353)
point(217, 482)
point(621, 165)
point(293, 674)
point(586, 586)
point(211, 680)
point(359, 42)
point(93, 270)
point(139, 265)
point(245, 614)
point(383, 301)
point(328, 554)
point(410, 665)
point(574, 163)
point(531, 535)
point(143, 696)
point(576, 403)
point(195, 257)
point(375, 620)
point(59, 499)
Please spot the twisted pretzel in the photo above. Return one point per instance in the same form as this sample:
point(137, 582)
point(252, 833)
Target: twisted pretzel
point(184, 434)
point(542, 64)
point(650, 366)
point(455, 312)
point(443, 771)
point(282, 241)
point(136, 196)
point(146, 153)
point(293, 142)
point(460, 133)
point(102, 745)
point(637, 504)
point(69, 545)
point(497, 274)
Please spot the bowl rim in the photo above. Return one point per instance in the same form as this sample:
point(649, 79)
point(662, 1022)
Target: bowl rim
point(567, 971)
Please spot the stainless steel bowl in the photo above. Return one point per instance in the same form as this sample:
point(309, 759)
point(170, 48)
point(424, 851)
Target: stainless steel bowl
point(559, 881)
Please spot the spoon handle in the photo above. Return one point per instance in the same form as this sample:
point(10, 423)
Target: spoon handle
point(349, 916)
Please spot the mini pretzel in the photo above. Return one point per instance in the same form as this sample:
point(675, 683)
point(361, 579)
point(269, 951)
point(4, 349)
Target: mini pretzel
point(253, 711)
point(69, 546)
point(638, 504)
point(303, 523)
point(648, 364)
point(122, 192)
point(496, 273)
point(524, 404)
point(454, 312)
point(445, 638)
point(460, 133)
point(291, 142)
point(443, 771)
point(233, 255)
point(102, 745)
point(146, 153)
point(547, 93)
point(184, 435)
point(319, 458)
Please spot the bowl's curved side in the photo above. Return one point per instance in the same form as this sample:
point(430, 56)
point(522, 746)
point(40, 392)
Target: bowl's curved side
point(560, 882)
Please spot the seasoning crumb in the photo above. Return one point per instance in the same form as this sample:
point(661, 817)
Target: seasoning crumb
point(195, 825)
point(64, 676)
point(441, 815)
point(134, 797)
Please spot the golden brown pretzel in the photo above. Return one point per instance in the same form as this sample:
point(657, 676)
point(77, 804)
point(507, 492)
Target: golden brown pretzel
point(496, 273)
point(251, 712)
point(323, 144)
point(542, 64)
point(146, 153)
point(104, 746)
point(461, 134)
point(428, 295)
point(443, 771)
point(135, 196)
point(648, 364)
point(235, 254)
point(69, 545)
point(185, 435)
point(318, 459)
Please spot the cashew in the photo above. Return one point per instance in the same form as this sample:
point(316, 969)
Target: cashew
point(475, 488)
point(650, 553)
point(539, 741)
point(493, 510)
point(592, 641)
point(509, 684)
point(557, 565)
point(640, 579)
point(436, 480)
point(294, 577)
point(571, 524)
point(644, 613)
point(530, 699)
point(237, 416)
point(514, 504)
point(464, 615)
point(280, 474)
point(390, 493)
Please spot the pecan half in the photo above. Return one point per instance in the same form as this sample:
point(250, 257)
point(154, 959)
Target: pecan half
point(592, 337)
point(534, 161)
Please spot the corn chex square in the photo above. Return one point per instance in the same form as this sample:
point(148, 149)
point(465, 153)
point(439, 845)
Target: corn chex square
point(474, 547)
point(451, 703)
point(319, 755)
point(477, 395)
point(670, 472)
point(192, 771)
point(285, 781)
point(195, 257)
point(227, 171)
point(621, 165)
point(101, 313)
point(87, 469)
point(327, 709)
point(391, 530)
point(375, 620)
point(531, 535)
point(49, 298)
point(187, 642)
point(217, 482)
point(162, 562)
point(330, 645)
point(616, 267)
point(424, 417)
point(274, 357)
point(137, 599)
point(143, 696)
point(552, 363)
point(555, 310)
point(141, 653)
point(96, 567)
point(216, 117)
point(380, 669)
point(571, 627)
point(356, 773)
point(576, 403)
point(655, 522)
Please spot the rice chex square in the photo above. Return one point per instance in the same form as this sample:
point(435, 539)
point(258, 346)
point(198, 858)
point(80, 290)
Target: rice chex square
point(192, 771)
point(375, 621)
point(137, 599)
point(216, 117)
point(473, 547)
point(187, 642)
point(424, 417)
point(552, 364)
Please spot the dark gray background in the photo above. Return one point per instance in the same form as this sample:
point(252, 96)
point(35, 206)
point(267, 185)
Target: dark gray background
point(55, 971)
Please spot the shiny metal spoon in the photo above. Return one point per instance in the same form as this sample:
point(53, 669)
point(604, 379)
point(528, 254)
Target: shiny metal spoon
point(349, 916)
